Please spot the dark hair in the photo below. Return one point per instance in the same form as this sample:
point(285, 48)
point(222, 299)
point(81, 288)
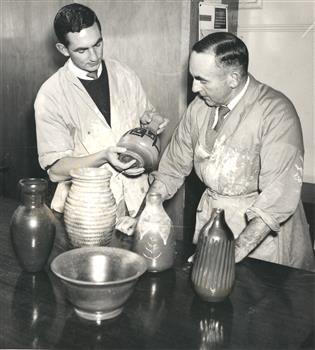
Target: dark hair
point(228, 49)
point(73, 18)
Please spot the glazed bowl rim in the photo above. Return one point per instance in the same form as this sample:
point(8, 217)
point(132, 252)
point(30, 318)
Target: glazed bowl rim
point(100, 249)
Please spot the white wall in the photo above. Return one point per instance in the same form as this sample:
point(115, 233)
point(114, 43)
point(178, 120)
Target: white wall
point(280, 38)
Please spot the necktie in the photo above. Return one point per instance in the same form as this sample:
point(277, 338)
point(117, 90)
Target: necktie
point(92, 75)
point(223, 110)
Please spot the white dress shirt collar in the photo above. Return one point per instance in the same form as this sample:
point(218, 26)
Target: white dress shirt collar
point(237, 98)
point(231, 105)
point(82, 74)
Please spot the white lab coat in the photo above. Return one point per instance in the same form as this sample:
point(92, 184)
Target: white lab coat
point(68, 123)
point(252, 167)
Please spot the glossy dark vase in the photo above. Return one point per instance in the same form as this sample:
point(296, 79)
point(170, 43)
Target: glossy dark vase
point(32, 226)
point(154, 236)
point(142, 144)
point(213, 272)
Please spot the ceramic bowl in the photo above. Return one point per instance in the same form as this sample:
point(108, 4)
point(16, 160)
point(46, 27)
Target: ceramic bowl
point(98, 280)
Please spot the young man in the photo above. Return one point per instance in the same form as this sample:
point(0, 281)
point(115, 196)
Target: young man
point(85, 107)
point(245, 142)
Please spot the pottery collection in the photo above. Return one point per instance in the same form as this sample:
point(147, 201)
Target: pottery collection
point(90, 217)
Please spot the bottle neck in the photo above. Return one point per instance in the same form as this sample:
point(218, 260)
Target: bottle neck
point(219, 223)
point(154, 200)
point(33, 191)
point(218, 216)
point(33, 199)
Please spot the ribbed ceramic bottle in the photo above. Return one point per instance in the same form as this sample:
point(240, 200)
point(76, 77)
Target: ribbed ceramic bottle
point(213, 270)
point(90, 209)
point(32, 226)
point(154, 236)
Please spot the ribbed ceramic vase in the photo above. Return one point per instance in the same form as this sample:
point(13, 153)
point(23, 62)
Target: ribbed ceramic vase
point(213, 271)
point(90, 209)
point(32, 226)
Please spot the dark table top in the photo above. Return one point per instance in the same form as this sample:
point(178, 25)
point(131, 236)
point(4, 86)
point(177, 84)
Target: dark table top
point(271, 307)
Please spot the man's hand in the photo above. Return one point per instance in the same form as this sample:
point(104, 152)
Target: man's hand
point(112, 155)
point(254, 233)
point(126, 225)
point(154, 121)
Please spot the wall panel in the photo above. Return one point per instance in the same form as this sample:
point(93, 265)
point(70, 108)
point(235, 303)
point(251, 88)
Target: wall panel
point(27, 58)
point(281, 40)
point(152, 37)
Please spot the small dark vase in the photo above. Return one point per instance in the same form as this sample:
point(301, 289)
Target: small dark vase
point(143, 145)
point(213, 272)
point(32, 226)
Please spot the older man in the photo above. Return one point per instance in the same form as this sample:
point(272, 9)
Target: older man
point(245, 142)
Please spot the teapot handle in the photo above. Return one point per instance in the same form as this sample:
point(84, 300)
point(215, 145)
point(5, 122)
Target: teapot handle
point(153, 126)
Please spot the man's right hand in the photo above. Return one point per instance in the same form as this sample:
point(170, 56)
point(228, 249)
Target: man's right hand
point(60, 171)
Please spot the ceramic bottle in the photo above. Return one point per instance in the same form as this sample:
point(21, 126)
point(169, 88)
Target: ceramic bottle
point(213, 270)
point(90, 208)
point(154, 235)
point(32, 226)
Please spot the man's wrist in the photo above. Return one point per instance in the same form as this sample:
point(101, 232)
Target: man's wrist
point(254, 233)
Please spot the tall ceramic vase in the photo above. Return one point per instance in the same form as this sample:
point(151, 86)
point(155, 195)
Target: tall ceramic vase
point(90, 209)
point(213, 271)
point(32, 226)
point(154, 236)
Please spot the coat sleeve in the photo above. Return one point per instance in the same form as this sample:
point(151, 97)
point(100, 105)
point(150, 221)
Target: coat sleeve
point(281, 158)
point(54, 139)
point(177, 160)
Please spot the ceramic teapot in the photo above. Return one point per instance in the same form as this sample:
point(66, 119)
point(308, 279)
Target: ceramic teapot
point(142, 144)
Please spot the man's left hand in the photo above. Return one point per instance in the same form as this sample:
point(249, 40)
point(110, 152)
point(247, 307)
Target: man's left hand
point(148, 118)
point(253, 234)
point(126, 225)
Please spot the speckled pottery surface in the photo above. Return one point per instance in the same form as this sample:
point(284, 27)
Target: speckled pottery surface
point(90, 209)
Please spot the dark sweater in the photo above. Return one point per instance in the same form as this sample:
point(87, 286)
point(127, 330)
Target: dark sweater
point(98, 89)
